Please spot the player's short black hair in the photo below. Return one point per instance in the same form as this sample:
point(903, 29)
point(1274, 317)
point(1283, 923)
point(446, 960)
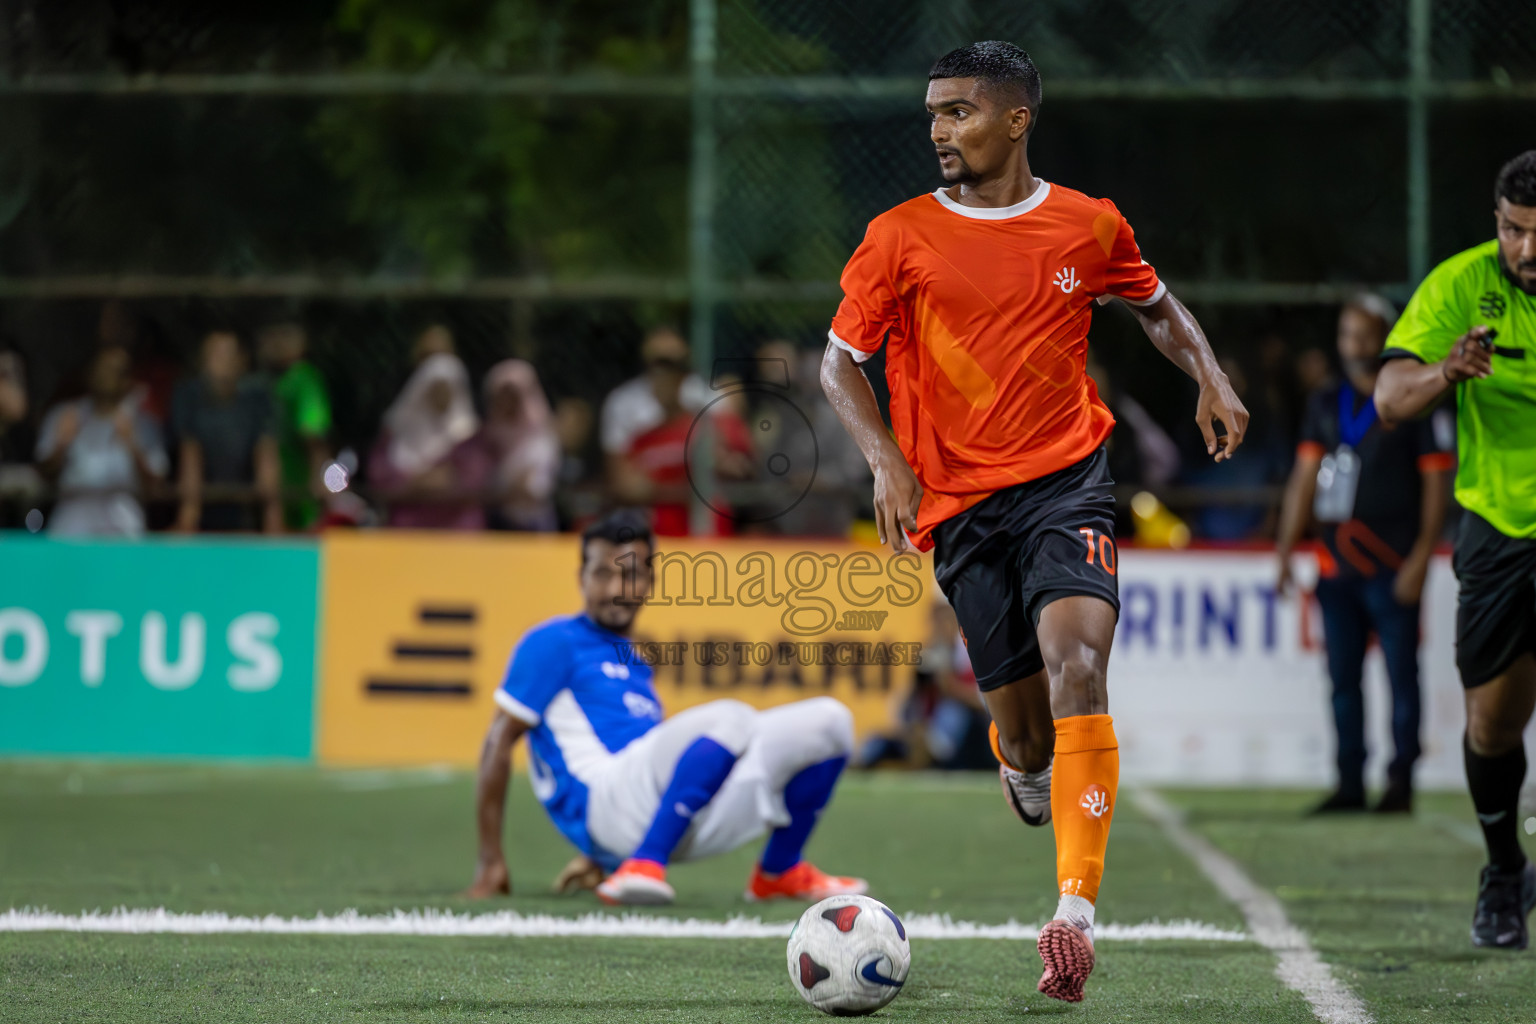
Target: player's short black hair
point(621, 526)
point(1002, 66)
point(1517, 180)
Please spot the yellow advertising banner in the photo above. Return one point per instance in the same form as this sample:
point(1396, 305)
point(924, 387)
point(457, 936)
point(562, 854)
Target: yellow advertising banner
point(417, 630)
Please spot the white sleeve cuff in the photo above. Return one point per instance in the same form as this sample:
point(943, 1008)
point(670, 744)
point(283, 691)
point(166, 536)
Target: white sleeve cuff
point(1157, 294)
point(858, 356)
point(516, 708)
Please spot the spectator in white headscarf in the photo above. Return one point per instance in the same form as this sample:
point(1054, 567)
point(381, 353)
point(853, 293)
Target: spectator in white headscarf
point(427, 466)
point(520, 437)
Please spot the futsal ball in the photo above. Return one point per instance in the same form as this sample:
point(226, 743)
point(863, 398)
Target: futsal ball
point(848, 955)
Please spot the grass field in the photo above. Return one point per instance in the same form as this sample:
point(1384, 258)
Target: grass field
point(1386, 903)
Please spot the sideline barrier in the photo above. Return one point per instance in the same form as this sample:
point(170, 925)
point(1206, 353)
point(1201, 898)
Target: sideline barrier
point(1215, 680)
point(419, 628)
point(208, 648)
point(159, 648)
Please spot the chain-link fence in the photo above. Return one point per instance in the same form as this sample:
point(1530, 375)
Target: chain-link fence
point(550, 179)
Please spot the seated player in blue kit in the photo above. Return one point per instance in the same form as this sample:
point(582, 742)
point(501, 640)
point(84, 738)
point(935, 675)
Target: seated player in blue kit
point(634, 791)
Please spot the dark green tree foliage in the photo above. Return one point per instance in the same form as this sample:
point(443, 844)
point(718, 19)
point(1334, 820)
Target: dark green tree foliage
point(496, 183)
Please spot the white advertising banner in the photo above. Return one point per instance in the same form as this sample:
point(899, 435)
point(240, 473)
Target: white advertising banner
point(1217, 680)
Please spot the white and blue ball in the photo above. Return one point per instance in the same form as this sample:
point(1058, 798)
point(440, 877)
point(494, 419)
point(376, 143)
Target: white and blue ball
point(848, 955)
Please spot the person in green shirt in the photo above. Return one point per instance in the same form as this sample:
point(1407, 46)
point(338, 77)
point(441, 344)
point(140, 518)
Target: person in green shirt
point(304, 420)
point(1471, 327)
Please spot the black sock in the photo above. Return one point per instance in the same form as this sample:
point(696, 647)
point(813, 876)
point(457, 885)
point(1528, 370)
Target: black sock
point(1495, 784)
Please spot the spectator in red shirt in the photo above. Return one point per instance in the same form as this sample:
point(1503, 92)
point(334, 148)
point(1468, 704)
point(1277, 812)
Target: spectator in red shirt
point(654, 470)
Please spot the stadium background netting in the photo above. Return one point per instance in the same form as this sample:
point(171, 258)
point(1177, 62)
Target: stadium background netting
point(550, 178)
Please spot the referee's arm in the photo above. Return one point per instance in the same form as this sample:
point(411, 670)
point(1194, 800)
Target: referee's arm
point(1406, 387)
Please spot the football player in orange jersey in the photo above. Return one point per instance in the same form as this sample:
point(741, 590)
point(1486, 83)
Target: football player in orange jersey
point(982, 293)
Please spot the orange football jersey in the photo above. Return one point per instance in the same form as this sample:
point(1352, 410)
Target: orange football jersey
point(987, 313)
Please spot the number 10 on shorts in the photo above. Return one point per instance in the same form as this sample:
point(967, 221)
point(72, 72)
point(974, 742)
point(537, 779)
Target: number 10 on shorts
point(1104, 546)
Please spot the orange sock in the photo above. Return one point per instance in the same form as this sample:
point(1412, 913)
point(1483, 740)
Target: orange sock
point(1083, 784)
point(997, 747)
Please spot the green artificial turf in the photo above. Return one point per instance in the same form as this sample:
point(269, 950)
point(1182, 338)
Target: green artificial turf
point(1386, 902)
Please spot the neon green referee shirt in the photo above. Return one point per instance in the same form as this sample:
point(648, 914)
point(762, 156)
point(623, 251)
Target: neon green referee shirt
point(1496, 417)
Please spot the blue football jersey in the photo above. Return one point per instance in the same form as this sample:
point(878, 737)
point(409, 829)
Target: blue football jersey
point(570, 680)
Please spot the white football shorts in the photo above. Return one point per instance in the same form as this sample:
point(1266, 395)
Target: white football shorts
point(772, 747)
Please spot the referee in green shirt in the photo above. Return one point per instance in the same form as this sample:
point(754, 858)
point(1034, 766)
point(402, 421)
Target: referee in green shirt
point(1471, 326)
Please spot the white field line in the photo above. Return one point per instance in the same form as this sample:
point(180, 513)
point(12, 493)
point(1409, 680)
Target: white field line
point(1299, 967)
point(1463, 830)
point(510, 923)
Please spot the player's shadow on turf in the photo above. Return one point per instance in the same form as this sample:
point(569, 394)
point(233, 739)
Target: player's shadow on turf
point(1042, 1007)
point(1396, 959)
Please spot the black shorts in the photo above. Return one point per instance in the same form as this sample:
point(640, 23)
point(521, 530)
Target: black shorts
point(1003, 560)
point(1496, 610)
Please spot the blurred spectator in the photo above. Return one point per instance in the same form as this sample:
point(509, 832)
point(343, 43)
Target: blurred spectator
point(101, 450)
point(303, 419)
point(636, 406)
point(20, 483)
point(1263, 461)
point(13, 403)
point(427, 464)
point(956, 732)
point(816, 451)
point(156, 368)
point(523, 447)
point(942, 722)
point(434, 340)
point(574, 499)
point(226, 433)
point(1380, 496)
point(1314, 371)
point(573, 425)
point(654, 469)
point(1280, 396)
point(1140, 452)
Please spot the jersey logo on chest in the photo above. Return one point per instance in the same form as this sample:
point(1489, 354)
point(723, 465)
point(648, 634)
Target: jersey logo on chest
point(1066, 280)
point(641, 706)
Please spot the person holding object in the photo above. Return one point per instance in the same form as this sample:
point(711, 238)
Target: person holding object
point(1471, 327)
point(102, 451)
point(1379, 497)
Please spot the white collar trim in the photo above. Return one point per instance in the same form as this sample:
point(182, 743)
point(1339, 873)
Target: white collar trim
point(995, 212)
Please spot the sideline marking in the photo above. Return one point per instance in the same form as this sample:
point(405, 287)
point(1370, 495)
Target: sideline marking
point(1299, 965)
point(1465, 831)
point(511, 923)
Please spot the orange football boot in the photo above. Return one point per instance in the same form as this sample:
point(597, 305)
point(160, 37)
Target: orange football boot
point(805, 882)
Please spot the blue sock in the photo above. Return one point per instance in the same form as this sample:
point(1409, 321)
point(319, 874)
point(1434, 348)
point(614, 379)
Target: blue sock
point(804, 797)
point(699, 774)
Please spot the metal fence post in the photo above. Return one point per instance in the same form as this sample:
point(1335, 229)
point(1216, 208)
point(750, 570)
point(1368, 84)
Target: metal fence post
point(701, 271)
point(1419, 73)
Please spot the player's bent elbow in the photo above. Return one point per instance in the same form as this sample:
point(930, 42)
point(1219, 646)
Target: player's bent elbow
point(1393, 402)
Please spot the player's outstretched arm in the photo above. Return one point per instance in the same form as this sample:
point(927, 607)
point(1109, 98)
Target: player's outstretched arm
point(897, 492)
point(1407, 387)
point(491, 875)
point(1174, 331)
